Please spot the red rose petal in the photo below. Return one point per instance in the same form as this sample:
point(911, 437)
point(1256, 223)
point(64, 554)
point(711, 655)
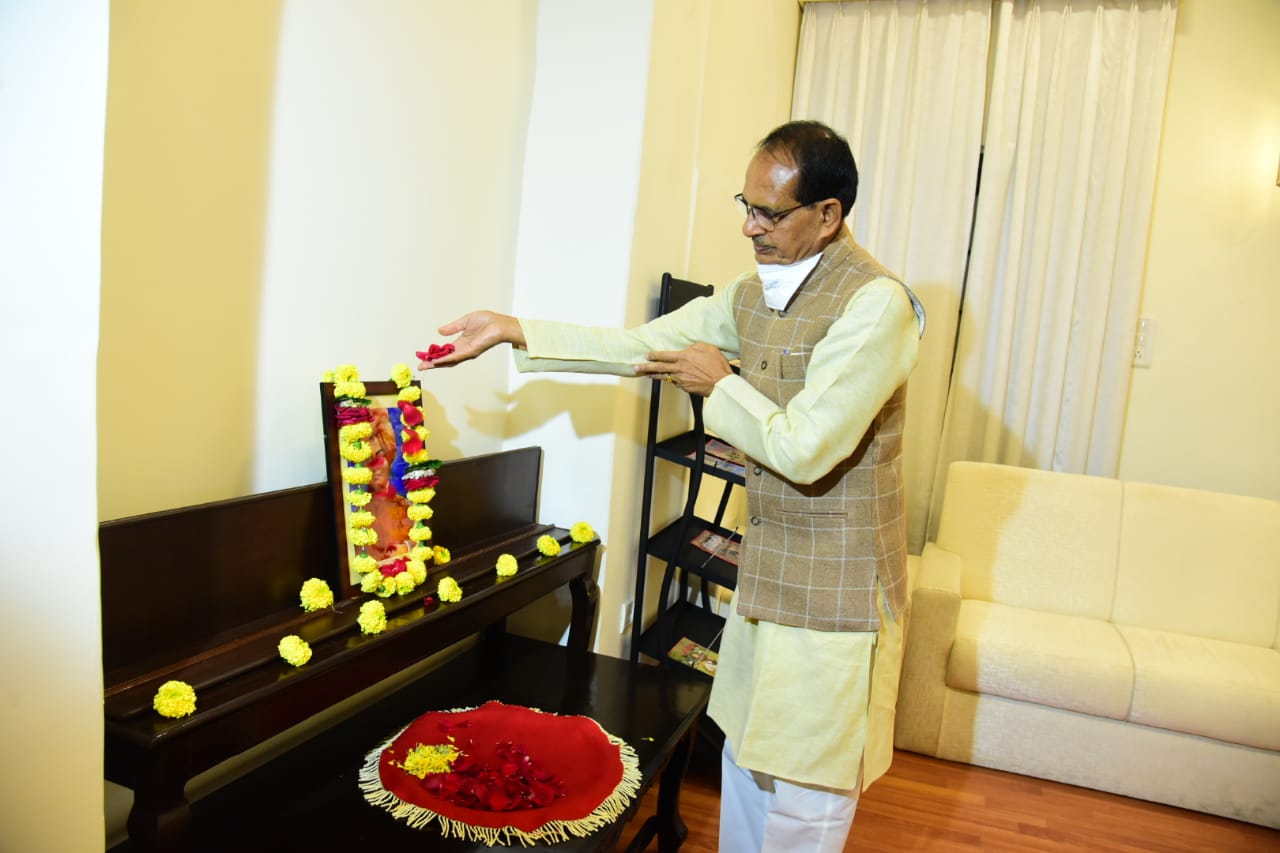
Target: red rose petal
point(435, 351)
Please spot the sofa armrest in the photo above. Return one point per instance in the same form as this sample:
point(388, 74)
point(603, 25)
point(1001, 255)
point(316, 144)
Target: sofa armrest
point(935, 610)
point(938, 570)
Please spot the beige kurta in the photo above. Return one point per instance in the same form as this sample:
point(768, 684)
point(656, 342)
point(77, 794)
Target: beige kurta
point(788, 700)
point(795, 703)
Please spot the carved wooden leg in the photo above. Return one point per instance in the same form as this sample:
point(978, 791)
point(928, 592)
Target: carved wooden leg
point(671, 828)
point(586, 597)
point(160, 816)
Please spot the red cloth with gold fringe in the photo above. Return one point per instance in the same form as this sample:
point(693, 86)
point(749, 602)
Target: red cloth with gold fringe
point(521, 775)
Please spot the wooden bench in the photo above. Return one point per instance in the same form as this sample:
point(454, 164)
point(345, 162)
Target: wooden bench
point(203, 594)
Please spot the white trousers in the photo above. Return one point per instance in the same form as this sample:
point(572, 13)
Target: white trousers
point(771, 815)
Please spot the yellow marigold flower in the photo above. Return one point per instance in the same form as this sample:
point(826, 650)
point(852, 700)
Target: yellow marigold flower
point(294, 650)
point(315, 594)
point(581, 532)
point(357, 475)
point(404, 583)
point(372, 618)
point(346, 373)
point(363, 518)
point(412, 394)
point(362, 537)
point(417, 570)
point(327, 376)
point(355, 432)
point(421, 553)
point(386, 587)
point(421, 496)
point(506, 565)
point(369, 582)
point(549, 545)
point(348, 389)
point(418, 458)
point(424, 759)
point(356, 452)
point(175, 699)
point(420, 512)
point(441, 555)
point(360, 498)
point(420, 533)
point(400, 375)
point(448, 590)
point(363, 563)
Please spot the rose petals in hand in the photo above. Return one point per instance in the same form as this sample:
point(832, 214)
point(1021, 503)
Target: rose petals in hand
point(435, 351)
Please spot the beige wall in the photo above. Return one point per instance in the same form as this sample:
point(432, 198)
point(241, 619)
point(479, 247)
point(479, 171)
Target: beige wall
point(53, 90)
point(291, 186)
point(702, 118)
point(1207, 412)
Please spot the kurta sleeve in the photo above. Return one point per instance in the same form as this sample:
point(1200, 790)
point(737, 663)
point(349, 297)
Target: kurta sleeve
point(866, 355)
point(557, 346)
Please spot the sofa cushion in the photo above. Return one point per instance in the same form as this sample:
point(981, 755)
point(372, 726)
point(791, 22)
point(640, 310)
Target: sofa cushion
point(1227, 691)
point(1068, 662)
point(1032, 538)
point(1199, 563)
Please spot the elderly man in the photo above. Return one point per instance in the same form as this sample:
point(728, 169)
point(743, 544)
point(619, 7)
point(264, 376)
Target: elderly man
point(826, 338)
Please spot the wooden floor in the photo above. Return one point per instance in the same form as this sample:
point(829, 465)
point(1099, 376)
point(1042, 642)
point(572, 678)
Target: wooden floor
point(925, 804)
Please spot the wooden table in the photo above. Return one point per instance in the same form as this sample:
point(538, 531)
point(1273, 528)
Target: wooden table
point(309, 799)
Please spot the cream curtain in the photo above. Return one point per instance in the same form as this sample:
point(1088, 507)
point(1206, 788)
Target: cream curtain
point(904, 81)
point(1046, 337)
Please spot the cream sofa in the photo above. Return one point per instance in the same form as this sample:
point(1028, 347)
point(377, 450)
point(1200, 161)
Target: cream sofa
point(1115, 635)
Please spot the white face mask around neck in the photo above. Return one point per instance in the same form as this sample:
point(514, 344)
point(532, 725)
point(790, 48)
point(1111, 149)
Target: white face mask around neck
point(781, 281)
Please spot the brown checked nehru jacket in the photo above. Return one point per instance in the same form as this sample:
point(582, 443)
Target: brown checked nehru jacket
point(814, 554)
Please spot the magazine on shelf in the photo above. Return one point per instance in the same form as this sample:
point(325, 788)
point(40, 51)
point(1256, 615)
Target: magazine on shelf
point(724, 456)
point(724, 547)
point(696, 656)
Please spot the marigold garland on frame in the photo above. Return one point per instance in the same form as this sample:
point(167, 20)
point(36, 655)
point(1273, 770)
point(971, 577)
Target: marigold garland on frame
point(353, 411)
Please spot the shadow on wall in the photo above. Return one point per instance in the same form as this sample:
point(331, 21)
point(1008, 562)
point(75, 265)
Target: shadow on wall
point(191, 95)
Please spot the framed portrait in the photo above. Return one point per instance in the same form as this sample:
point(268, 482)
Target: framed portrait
point(370, 499)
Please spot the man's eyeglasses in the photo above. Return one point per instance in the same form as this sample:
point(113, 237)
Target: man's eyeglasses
point(766, 219)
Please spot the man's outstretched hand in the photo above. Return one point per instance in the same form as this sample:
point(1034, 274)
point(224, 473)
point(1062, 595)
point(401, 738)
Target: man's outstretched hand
point(477, 332)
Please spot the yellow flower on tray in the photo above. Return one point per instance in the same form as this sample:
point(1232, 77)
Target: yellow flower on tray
point(417, 570)
point(448, 590)
point(507, 566)
point(441, 555)
point(294, 650)
point(404, 583)
point(581, 532)
point(175, 699)
point(372, 618)
point(420, 552)
point(549, 546)
point(315, 595)
point(369, 581)
point(429, 758)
